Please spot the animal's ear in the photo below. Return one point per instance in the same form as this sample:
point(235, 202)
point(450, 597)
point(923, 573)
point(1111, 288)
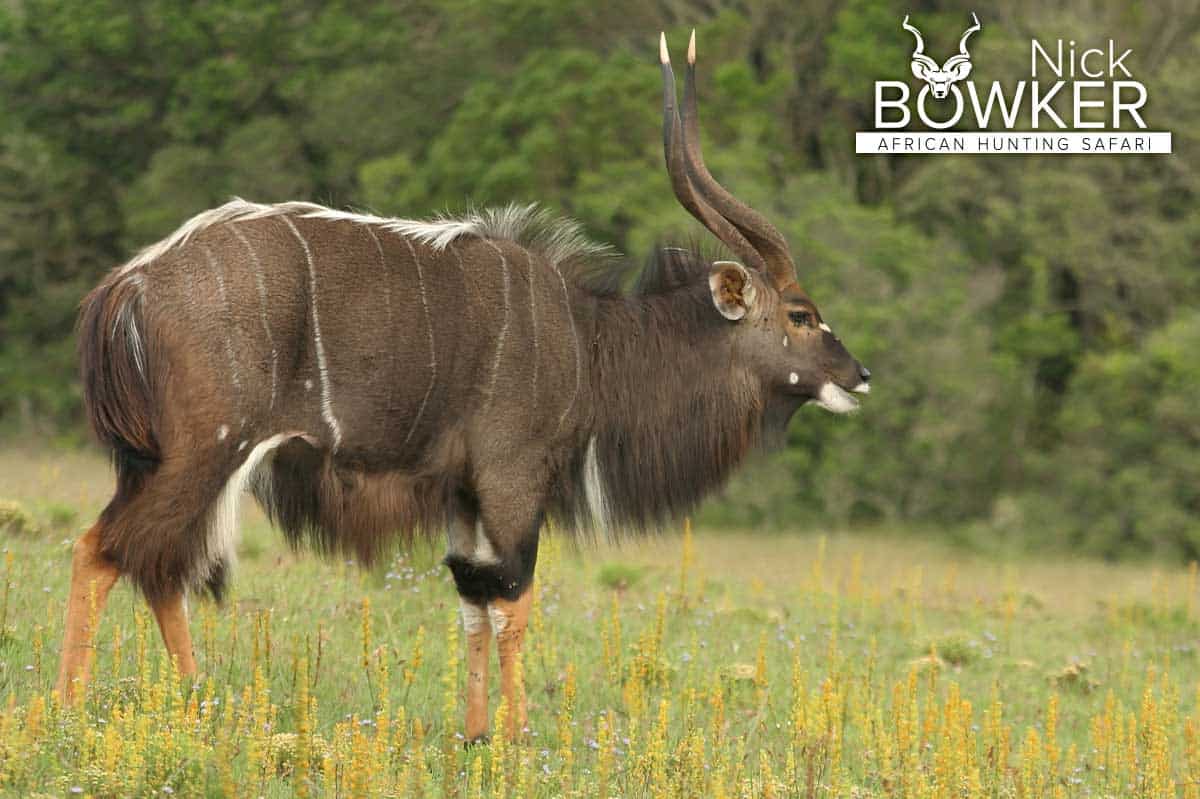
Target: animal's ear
point(732, 288)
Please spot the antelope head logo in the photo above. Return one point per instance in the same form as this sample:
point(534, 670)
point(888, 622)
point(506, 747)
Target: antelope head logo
point(957, 66)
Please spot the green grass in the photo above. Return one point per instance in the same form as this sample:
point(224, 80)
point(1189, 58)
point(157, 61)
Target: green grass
point(810, 642)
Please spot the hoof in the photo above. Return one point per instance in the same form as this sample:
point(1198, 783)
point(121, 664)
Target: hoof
point(479, 740)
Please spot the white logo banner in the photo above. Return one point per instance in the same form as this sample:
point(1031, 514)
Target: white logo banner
point(1012, 143)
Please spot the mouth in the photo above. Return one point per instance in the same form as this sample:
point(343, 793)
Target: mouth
point(836, 399)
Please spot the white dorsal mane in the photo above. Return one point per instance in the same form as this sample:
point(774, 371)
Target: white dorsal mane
point(558, 240)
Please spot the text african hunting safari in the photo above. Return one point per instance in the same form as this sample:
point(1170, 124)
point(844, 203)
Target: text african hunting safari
point(368, 378)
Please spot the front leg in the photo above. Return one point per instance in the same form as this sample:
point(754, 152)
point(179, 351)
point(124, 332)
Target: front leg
point(493, 571)
point(509, 620)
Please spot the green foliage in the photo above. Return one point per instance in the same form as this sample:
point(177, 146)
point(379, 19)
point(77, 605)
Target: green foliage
point(1031, 321)
point(1132, 428)
point(16, 520)
point(60, 516)
point(619, 576)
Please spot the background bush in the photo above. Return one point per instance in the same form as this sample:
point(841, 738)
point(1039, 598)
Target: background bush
point(1033, 322)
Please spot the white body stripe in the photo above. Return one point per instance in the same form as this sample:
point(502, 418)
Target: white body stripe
point(125, 318)
point(229, 353)
point(574, 346)
point(503, 325)
point(387, 306)
point(326, 396)
point(222, 526)
point(593, 488)
point(260, 283)
point(533, 391)
point(432, 346)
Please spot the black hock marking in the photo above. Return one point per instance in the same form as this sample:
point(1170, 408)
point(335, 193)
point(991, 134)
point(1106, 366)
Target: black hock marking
point(481, 583)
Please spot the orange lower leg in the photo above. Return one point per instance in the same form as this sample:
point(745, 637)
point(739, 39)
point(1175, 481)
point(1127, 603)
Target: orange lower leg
point(509, 620)
point(171, 613)
point(92, 577)
point(479, 649)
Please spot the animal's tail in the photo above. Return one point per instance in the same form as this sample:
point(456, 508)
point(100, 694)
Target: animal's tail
point(114, 358)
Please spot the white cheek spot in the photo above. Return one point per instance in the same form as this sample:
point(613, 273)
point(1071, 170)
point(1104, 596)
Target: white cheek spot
point(793, 378)
point(308, 385)
point(222, 432)
point(826, 328)
point(241, 446)
point(785, 341)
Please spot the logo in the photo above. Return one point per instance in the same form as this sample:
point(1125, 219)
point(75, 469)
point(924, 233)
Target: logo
point(1076, 99)
point(957, 67)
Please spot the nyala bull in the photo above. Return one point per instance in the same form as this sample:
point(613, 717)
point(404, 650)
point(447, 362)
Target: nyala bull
point(369, 379)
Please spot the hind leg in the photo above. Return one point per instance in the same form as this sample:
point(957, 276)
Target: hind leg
point(92, 577)
point(171, 614)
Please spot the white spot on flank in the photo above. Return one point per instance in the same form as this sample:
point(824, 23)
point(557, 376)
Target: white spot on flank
point(793, 378)
point(308, 385)
point(222, 528)
point(826, 328)
point(222, 432)
point(474, 617)
point(326, 397)
point(593, 488)
point(836, 399)
point(498, 619)
point(785, 341)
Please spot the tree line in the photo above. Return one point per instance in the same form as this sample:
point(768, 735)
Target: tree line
point(1033, 322)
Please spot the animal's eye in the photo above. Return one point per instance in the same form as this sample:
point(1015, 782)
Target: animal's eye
point(800, 318)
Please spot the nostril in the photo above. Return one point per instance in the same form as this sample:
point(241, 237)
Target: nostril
point(865, 372)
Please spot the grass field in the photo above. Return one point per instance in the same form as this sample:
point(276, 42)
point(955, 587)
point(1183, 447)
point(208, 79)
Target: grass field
point(716, 665)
